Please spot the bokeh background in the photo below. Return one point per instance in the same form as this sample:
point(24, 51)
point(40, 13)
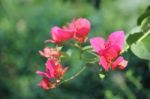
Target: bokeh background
point(25, 25)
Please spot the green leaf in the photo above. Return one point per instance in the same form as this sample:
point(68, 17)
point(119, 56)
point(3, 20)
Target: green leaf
point(148, 8)
point(143, 16)
point(102, 76)
point(69, 52)
point(145, 26)
point(134, 35)
point(66, 54)
point(142, 49)
point(132, 38)
point(144, 20)
point(89, 56)
point(60, 47)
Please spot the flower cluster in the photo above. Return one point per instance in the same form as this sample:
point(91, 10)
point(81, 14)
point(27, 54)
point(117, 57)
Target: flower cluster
point(53, 69)
point(108, 51)
point(77, 30)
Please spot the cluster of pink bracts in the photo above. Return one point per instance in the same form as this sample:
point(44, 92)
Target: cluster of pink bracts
point(54, 70)
point(109, 51)
point(78, 29)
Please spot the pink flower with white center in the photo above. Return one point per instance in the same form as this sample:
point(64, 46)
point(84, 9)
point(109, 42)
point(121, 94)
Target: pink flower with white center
point(109, 50)
point(60, 35)
point(81, 29)
point(53, 70)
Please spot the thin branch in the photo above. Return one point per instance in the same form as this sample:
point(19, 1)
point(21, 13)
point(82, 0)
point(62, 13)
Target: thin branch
point(141, 38)
point(75, 75)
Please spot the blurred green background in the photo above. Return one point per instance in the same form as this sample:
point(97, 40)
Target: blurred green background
point(25, 25)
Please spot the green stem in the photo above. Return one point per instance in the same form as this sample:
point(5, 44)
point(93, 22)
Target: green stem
point(78, 46)
point(75, 75)
point(141, 38)
point(93, 53)
point(126, 49)
point(87, 48)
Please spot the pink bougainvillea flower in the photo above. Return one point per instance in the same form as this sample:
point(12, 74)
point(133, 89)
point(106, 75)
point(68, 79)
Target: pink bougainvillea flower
point(53, 70)
point(46, 84)
point(60, 35)
point(109, 50)
point(52, 53)
point(81, 29)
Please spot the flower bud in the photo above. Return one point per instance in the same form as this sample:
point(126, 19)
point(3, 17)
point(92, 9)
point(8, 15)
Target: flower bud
point(81, 29)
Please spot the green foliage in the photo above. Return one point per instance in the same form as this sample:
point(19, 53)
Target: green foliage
point(139, 41)
point(142, 48)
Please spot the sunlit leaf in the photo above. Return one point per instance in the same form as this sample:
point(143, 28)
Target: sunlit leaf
point(142, 49)
point(132, 38)
point(134, 35)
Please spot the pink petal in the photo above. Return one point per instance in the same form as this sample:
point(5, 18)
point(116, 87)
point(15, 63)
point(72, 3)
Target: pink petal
point(60, 35)
point(82, 32)
point(65, 34)
point(49, 41)
point(117, 38)
point(82, 27)
point(65, 69)
point(46, 49)
point(110, 52)
point(41, 53)
point(103, 63)
point(119, 63)
point(44, 83)
point(97, 43)
point(82, 22)
point(43, 74)
point(50, 68)
point(123, 64)
point(56, 36)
